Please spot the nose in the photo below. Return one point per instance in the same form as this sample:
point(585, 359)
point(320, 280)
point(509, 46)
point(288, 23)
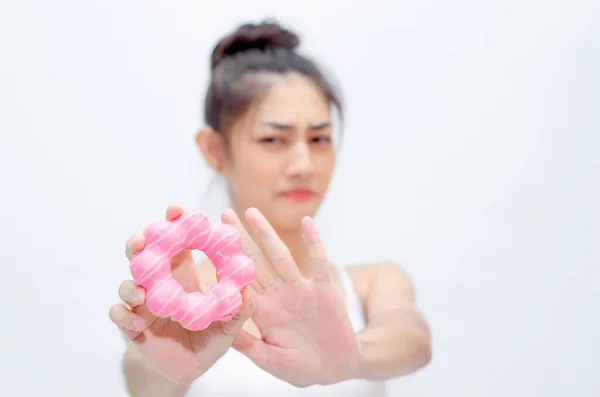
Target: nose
point(300, 164)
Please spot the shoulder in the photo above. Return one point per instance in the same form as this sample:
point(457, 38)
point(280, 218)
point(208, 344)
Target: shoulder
point(382, 277)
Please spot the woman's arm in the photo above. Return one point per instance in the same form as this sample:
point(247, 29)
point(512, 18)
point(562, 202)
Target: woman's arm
point(143, 380)
point(396, 340)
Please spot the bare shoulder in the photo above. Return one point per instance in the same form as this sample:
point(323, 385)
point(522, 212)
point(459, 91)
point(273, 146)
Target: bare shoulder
point(381, 276)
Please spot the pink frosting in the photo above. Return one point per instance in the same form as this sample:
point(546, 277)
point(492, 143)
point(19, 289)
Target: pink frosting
point(151, 269)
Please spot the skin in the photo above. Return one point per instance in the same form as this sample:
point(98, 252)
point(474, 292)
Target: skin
point(283, 142)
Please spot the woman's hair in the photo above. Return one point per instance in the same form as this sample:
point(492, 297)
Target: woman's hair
point(243, 65)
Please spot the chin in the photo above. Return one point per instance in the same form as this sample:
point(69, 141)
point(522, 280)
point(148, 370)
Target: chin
point(287, 216)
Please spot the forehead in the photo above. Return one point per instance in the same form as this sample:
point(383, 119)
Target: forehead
point(294, 99)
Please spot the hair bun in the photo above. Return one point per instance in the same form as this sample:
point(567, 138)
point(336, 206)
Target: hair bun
point(254, 36)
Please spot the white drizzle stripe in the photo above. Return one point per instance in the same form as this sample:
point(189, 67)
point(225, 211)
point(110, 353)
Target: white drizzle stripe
point(223, 248)
point(192, 243)
point(182, 315)
point(224, 237)
point(214, 302)
point(177, 291)
point(170, 253)
point(153, 267)
point(209, 230)
point(182, 218)
point(156, 231)
point(213, 244)
point(239, 268)
point(229, 293)
point(157, 288)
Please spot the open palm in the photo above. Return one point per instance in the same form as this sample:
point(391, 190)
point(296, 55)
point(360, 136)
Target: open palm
point(306, 335)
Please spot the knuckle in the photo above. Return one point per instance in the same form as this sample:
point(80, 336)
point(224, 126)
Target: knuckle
point(253, 253)
point(320, 261)
point(281, 254)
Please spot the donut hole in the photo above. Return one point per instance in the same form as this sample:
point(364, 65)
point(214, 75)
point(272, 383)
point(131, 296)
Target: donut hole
point(199, 256)
point(175, 274)
point(206, 271)
point(181, 277)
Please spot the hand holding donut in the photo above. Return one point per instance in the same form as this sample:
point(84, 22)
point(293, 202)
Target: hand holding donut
point(180, 329)
point(306, 335)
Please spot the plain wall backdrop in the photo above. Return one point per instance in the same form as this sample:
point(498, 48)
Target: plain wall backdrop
point(471, 156)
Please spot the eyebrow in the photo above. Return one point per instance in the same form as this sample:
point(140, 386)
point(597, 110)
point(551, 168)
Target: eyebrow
point(290, 127)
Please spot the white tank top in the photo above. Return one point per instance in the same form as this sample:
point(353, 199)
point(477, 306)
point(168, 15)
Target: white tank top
point(250, 380)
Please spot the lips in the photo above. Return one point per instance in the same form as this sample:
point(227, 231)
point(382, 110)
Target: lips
point(298, 194)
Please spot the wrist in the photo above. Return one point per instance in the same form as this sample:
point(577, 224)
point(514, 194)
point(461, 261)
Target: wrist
point(357, 369)
point(144, 379)
point(361, 365)
point(350, 369)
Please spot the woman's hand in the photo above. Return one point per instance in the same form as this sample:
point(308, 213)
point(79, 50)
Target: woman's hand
point(179, 354)
point(306, 335)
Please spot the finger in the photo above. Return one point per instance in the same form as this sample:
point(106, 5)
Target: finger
point(135, 297)
point(256, 349)
point(137, 241)
point(131, 294)
point(128, 322)
point(134, 244)
point(318, 263)
point(185, 271)
point(264, 273)
point(251, 346)
point(278, 253)
point(183, 266)
point(232, 326)
point(173, 212)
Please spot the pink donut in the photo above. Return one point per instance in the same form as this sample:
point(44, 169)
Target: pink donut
point(165, 297)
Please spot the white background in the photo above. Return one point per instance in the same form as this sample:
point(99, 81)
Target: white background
point(472, 157)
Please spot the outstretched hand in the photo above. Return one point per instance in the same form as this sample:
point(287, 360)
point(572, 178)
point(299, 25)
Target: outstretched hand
point(306, 335)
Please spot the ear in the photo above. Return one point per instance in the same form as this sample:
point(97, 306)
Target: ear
point(212, 147)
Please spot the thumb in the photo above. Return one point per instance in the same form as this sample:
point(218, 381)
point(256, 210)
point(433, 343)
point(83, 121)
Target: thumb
point(233, 326)
point(244, 342)
point(173, 212)
point(254, 348)
point(184, 270)
point(183, 266)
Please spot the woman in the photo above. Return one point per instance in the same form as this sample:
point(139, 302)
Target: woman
point(307, 328)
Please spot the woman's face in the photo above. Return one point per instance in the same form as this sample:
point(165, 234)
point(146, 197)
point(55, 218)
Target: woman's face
point(279, 156)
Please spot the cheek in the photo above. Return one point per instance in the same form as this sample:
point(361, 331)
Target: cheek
point(253, 170)
point(324, 164)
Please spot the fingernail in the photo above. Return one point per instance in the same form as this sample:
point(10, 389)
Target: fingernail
point(137, 324)
point(137, 295)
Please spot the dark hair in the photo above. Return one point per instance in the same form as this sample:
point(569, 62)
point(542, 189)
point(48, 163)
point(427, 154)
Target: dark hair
point(241, 59)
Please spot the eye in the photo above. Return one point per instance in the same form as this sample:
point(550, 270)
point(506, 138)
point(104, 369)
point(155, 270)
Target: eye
point(272, 140)
point(321, 140)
